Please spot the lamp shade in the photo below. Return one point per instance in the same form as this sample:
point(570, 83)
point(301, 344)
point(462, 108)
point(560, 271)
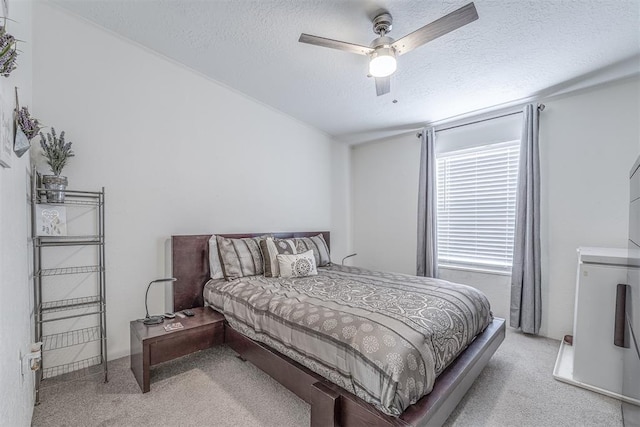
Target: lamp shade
point(383, 62)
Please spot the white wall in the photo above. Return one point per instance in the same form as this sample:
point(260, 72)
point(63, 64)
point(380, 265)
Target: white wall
point(16, 302)
point(588, 142)
point(384, 177)
point(341, 237)
point(177, 153)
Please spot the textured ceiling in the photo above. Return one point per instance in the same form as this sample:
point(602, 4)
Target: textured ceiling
point(516, 49)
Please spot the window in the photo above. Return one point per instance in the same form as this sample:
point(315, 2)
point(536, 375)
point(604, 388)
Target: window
point(476, 206)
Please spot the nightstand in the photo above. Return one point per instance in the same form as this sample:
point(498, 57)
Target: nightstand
point(151, 345)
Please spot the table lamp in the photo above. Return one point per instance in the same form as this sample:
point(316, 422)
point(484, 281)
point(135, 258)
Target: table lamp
point(154, 320)
point(348, 256)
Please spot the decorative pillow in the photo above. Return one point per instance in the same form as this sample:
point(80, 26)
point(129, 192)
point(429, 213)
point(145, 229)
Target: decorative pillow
point(215, 267)
point(317, 245)
point(240, 257)
point(270, 248)
point(299, 265)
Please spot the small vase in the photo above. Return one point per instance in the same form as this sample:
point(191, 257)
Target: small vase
point(21, 143)
point(55, 186)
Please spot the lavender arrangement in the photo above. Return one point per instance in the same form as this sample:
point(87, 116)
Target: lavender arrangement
point(8, 52)
point(55, 150)
point(29, 125)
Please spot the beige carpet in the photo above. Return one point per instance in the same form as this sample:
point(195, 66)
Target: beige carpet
point(214, 388)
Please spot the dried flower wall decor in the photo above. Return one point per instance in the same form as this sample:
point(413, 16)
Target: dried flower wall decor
point(28, 124)
point(27, 127)
point(8, 52)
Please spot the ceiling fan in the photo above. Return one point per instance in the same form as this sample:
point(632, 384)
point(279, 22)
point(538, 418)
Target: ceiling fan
point(383, 50)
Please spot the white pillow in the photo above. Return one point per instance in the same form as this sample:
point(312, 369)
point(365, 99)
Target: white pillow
point(215, 267)
point(299, 265)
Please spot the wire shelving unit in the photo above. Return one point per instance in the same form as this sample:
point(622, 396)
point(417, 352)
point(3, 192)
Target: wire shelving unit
point(50, 313)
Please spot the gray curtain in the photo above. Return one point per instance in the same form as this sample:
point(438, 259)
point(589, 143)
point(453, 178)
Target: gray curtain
point(525, 273)
point(427, 262)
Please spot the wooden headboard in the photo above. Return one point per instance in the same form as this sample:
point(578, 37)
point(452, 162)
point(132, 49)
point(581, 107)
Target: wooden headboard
point(190, 264)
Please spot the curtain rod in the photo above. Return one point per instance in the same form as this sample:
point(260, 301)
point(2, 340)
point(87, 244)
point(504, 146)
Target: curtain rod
point(540, 108)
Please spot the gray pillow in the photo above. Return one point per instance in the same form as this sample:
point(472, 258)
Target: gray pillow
point(316, 244)
point(270, 249)
point(240, 257)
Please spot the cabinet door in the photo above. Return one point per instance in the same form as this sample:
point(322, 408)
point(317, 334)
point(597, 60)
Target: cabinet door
point(597, 361)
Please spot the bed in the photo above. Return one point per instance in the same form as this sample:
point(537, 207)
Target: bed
point(375, 373)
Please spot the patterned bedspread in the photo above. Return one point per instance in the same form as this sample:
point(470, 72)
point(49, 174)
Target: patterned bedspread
point(384, 337)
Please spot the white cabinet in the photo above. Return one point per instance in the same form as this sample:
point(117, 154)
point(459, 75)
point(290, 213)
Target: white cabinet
point(594, 362)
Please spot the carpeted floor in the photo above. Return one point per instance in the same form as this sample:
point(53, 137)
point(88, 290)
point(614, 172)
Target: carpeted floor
point(214, 388)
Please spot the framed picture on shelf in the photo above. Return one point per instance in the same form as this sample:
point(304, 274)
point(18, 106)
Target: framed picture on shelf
point(6, 143)
point(51, 220)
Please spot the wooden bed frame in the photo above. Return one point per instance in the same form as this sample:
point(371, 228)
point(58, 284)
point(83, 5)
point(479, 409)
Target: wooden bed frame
point(330, 404)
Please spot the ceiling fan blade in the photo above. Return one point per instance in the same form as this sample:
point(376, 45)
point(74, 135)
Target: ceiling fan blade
point(383, 85)
point(439, 27)
point(334, 44)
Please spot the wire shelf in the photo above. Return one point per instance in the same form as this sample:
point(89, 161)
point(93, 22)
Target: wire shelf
point(71, 338)
point(69, 270)
point(68, 201)
point(44, 241)
point(71, 196)
point(75, 370)
point(69, 304)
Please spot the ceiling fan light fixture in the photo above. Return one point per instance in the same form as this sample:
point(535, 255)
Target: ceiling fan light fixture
point(383, 62)
point(383, 50)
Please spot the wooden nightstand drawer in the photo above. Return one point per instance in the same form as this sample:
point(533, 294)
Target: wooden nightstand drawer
point(180, 343)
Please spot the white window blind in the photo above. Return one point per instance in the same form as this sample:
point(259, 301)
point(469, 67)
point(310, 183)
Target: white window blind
point(476, 206)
